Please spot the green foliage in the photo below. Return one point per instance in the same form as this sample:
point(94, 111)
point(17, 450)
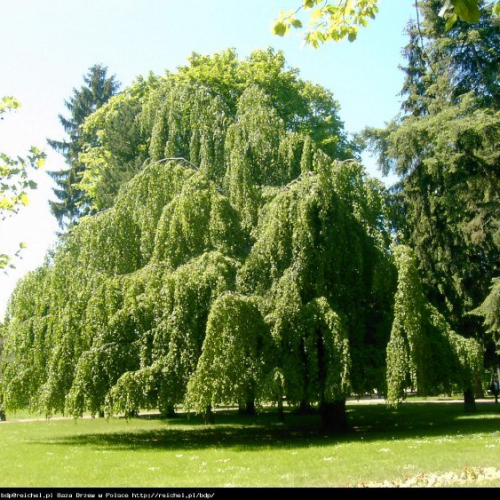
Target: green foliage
point(466, 10)
point(406, 349)
point(114, 144)
point(25, 356)
point(423, 351)
point(329, 20)
point(128, 320)
point(188, 296)
point(197, 221)
point(326, 349)
point(450, 63)
point(245, 261)
point(320, 237)
point(233, 359)
point(490, 310)
point(194, 114)
point(445, 151)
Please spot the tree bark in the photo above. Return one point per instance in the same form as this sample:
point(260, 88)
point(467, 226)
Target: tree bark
point(281, 413)
point(248, 408)
point(333, 417)
point(469, 401)
point(168, 411)
point(305, 408)
point(209, 416)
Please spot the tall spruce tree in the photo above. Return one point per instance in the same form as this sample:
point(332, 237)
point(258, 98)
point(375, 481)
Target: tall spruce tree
point(71, 204)
point(466, 55)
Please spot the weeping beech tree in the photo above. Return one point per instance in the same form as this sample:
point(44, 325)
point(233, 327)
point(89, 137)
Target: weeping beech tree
point(423, 351)
point(246, 261)
point(195, 113)
point(234, 358)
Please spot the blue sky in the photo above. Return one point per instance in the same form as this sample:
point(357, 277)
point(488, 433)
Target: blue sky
point(47, 46)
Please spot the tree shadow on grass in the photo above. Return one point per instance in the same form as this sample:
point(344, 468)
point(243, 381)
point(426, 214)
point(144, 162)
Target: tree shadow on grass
point(368, 423)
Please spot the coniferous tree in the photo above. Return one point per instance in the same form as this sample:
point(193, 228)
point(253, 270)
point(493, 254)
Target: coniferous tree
point(466, 56)
point(70, 204)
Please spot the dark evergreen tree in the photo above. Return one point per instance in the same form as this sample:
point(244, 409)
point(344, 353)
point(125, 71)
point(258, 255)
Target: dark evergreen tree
point(467, 55)
point(70, 204)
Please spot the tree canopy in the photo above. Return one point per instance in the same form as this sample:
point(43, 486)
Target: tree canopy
point(247, 260)
point(152, 120)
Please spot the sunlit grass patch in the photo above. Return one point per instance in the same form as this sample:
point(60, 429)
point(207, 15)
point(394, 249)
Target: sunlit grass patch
point(418, 440)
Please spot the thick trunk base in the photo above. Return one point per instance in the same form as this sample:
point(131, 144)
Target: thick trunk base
point(209, 416)
point(168, 412)
point(281, 412)
point(333, 417)
point(469, 401)
point(247, 409)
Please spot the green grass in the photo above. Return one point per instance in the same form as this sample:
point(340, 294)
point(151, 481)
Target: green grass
point(251, 451)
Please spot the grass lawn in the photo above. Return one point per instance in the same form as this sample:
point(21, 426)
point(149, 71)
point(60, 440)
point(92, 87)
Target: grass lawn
point(419, 438)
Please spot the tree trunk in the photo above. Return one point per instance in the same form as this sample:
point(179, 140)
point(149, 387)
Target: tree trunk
point(333, 417)
point(247, 408)
point(304, 408)
point(281, 413)
point(168, 411)
point(469, 401)
point(250, 407)
point(209, 416)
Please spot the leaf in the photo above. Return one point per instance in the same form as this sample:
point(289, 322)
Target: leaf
point(23, 198)
point(450, 22)
point(496, 9)
point(316, 15)
point(296, 23)
point(467, 10)
point(279, 29)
